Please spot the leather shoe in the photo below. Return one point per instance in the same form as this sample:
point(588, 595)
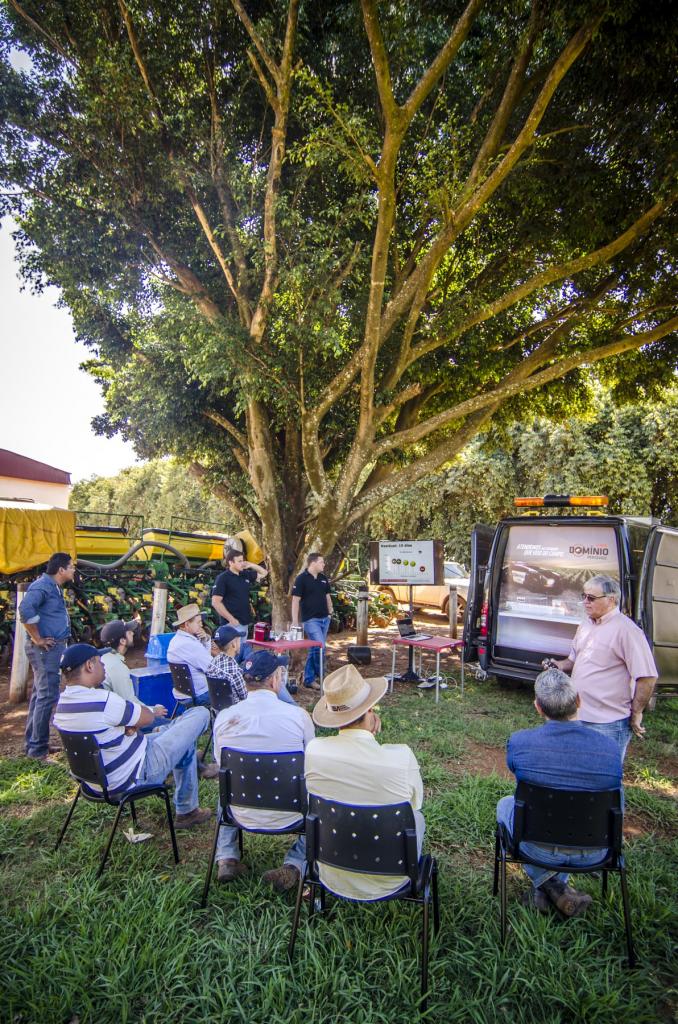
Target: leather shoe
point(208, 771)
point(569, 901)
point(282, 879)
point(195, 817)
point(535, 899)
point(228, 870)
point(315, 685)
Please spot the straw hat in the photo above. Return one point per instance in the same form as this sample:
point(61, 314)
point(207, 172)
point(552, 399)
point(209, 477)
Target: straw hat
point(189, 611)
point(347, 696)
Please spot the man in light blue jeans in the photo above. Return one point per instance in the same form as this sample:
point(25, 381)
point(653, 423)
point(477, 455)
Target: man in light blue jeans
point(312, 602)
point(129, 757)
point(561, 754)
point(261, 724)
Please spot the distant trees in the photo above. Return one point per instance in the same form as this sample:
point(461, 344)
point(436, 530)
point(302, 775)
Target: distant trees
point(628, 453)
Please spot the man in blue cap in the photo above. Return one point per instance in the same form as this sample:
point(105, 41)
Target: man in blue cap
point(129, 757)
point(262, 723)
point(226, 644)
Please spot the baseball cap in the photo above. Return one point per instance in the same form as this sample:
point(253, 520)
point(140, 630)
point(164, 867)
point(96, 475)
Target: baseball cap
point(113, 632)
point(77, 654)
point(263, 664)
point(224, 634)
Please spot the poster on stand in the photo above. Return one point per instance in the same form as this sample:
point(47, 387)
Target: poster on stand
point(409, 562)
point(543, 572)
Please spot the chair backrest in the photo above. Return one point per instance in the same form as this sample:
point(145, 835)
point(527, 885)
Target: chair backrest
point(84, 757)
point(221, 693)
point(182, 680)
point(272, 782)
point(374, 840)
point(567, 817)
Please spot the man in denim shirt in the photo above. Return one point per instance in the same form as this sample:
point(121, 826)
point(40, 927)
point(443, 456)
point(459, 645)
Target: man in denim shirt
point(43, 613)
point(563, 754)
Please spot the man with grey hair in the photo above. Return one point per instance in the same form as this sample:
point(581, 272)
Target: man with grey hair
point(611, 663)
point(563, 754)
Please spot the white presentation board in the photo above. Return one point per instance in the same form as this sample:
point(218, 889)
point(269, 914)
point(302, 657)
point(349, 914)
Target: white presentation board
point(409, 562)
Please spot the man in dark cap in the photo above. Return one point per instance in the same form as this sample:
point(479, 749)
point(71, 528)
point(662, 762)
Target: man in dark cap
point(119, 638)
point(261, 723)
point(129, 757)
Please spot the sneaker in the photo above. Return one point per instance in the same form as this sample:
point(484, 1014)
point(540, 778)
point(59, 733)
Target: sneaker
point(315, 685)
point(282, 879)
point(198, 816)
point(208, 771)
point(569, 901)
point(228, 870)
point(535, 899)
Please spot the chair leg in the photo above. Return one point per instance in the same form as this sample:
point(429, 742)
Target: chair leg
point(604, 884)
point(424, 948)
point(297, 913)
point(170, 825)
point(496, 863)
point(627, 917)
point(209, 740)
point(436, 903)
point(133, 812)
point(210, 866)
point(121, 808)
point(241, 844)
point(67, 821)
point(502, 897)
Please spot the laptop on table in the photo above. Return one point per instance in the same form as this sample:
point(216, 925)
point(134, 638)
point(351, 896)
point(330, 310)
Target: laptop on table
point(408, 632)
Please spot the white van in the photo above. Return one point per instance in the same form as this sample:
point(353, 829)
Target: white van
point(527, 575)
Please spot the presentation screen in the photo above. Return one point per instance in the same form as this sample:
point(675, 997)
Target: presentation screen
point(543, 572)
point(409, 562)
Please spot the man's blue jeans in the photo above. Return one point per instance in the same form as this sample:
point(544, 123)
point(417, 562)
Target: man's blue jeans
point(315, 629)
point(227, 846)
point(548, 854)
point(173, 749)
point(619, 731)
point(245, 649)
point(45, 694)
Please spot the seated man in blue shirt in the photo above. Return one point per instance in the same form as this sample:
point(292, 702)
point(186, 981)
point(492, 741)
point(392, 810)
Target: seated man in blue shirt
point(562, 754)
point(45, 619)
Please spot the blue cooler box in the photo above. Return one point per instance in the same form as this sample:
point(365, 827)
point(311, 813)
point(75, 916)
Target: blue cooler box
point(153, 685)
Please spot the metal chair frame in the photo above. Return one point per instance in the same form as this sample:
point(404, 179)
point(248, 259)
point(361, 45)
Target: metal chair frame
point(87, 768)
point(562, 817)
point(261, 781)
point(182, 680)
point(343, 836)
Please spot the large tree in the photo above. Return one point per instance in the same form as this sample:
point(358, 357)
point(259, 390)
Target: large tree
point(317, 247)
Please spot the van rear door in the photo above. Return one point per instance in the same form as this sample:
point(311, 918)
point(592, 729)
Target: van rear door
point(657, 601)
point(481, 545)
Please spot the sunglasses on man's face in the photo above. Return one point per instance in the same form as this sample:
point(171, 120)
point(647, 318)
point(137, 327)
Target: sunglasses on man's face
point(593, 597)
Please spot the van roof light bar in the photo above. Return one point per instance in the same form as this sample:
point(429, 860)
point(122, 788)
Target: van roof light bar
point(563, 501)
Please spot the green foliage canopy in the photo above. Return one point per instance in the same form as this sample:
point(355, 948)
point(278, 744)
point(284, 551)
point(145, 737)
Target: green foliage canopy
point(315, 248)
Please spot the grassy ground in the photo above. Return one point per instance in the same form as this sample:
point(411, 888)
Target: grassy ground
point(136, 947)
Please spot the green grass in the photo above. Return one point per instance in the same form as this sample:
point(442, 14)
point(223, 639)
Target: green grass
point(135, 947)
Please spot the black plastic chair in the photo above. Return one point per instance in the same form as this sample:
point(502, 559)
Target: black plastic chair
point(565, 817)
point(221, 693)
point(379, 840)
point(262, 782)
point(182, 680)
point(87, 768)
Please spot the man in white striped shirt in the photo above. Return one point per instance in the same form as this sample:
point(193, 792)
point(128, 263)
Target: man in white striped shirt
point(129, 757)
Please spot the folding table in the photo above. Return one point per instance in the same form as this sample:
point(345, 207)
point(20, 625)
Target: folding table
point(436, 644)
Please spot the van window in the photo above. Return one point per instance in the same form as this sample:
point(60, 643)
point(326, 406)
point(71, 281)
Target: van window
point(543, 571)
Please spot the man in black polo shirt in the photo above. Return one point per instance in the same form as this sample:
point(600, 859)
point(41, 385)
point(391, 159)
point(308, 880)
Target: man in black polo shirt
point(231, 594)
point(311, 597)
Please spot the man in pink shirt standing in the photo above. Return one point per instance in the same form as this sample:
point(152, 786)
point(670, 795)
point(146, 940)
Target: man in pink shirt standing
point(612, 666)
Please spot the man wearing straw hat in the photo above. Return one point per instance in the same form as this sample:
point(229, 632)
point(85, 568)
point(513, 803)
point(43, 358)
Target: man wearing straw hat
point(354, 768)
point(191, 646)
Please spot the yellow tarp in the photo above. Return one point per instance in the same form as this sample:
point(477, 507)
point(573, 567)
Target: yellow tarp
point(29, 536)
